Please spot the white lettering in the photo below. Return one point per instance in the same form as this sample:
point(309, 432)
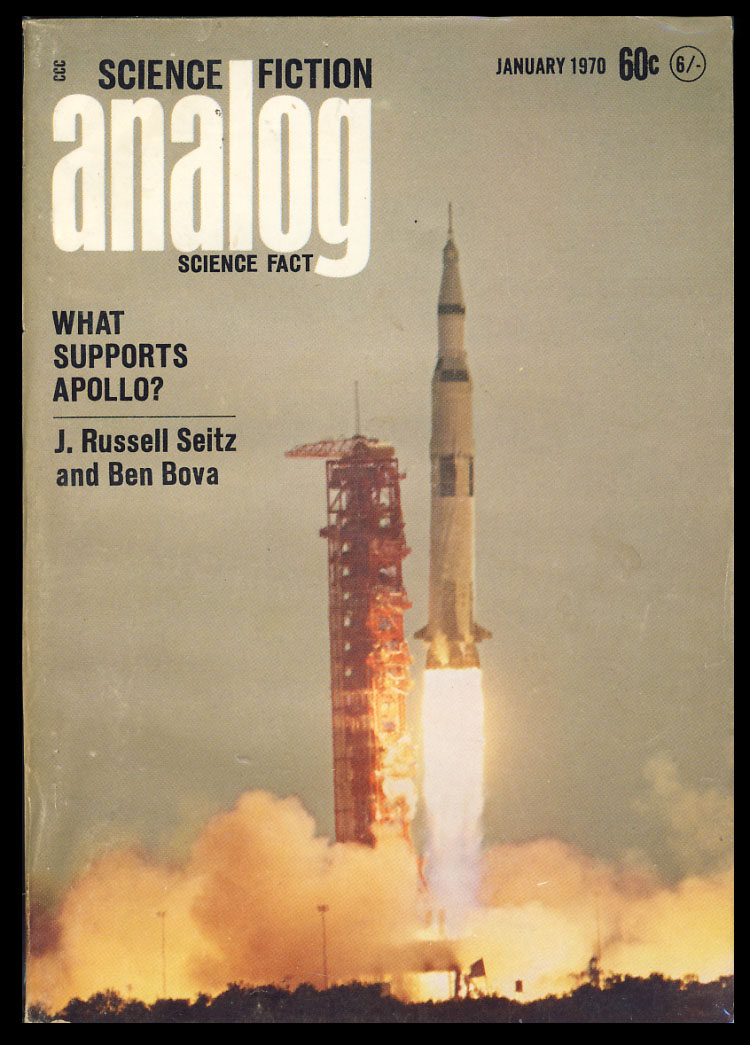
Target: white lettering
point(240, 155)
point(151, 116)
point(204, 163)
point(355, 232)
point(278, 113)
point(88, 159)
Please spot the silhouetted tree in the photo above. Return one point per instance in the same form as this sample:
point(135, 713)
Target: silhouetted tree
point(38, 1014)
point(102, 1007)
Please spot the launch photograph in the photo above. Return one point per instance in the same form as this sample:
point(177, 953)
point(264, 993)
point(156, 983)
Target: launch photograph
point(378, 519)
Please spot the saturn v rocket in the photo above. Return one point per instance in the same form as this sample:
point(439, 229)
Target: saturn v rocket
point(451, 632)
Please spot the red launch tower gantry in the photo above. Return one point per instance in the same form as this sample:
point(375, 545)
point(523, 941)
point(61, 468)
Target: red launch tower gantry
point(373, 760)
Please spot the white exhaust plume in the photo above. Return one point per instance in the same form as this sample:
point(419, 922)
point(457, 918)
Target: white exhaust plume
point(453, 789)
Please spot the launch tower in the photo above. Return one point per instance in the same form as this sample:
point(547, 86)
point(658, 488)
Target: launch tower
point(373, 761)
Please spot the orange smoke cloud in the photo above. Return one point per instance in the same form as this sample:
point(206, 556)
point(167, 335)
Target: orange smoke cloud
point(548, 908)
point(265, 874)
point(244, 907)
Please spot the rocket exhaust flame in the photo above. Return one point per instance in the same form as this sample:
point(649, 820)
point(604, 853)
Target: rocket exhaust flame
point(453, 792)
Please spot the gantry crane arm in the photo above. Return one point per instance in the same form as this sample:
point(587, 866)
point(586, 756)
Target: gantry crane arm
point(332, 449)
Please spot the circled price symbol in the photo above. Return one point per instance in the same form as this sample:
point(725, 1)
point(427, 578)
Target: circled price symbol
point(688, 63)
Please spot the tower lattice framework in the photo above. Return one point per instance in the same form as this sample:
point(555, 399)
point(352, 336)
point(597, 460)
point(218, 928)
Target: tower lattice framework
point(373, 760)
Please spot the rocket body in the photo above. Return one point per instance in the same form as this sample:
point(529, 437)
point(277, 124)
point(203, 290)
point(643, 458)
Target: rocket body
point(452, 633)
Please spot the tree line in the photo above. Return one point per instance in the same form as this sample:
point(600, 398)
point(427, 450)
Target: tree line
point(620, 999)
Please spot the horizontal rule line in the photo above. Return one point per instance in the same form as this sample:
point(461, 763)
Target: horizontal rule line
point(128, 417)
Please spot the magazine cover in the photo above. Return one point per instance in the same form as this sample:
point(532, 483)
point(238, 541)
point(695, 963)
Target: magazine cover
point(378, 519)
